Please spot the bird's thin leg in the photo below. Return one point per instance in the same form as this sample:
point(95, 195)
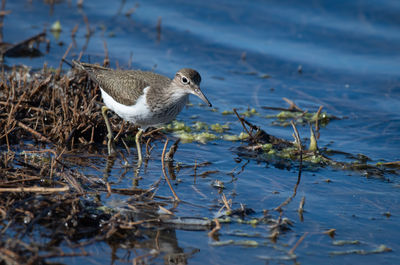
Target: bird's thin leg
point(138, 147)
point(110, 142)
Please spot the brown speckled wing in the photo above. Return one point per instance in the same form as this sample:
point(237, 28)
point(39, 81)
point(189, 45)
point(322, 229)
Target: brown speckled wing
point(124, 86)
point(120, 86)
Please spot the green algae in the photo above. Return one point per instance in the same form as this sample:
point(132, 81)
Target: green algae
point(218, 128)
point(227, 112)
point(283, 118)
point(250, 112)
point(202, 132)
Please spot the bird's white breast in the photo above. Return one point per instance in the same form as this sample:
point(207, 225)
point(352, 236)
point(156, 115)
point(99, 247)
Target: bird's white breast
point(136, 113)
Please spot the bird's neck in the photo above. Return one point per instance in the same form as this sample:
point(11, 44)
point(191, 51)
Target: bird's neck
point(175, 94)
point(168, 95)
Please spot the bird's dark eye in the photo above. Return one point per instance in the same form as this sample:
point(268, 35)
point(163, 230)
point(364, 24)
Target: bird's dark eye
point(185, 80)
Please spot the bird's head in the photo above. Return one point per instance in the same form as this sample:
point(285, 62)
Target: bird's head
point(189, 81)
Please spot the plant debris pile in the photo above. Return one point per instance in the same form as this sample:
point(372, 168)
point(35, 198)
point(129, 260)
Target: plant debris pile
point(62, 111)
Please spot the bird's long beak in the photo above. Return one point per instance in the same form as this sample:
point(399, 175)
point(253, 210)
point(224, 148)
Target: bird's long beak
point(200, 94)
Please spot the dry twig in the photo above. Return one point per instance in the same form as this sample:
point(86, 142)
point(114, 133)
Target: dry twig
point(165, 173)
point(36, 189)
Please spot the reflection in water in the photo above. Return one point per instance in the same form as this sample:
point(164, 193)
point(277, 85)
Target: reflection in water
point(154, 244)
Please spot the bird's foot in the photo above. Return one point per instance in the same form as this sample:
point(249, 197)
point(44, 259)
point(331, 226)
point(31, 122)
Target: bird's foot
point(138, 139)
point(110, 143)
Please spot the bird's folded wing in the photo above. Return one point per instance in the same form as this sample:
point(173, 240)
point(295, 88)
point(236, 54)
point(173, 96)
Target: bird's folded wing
point(120, 86)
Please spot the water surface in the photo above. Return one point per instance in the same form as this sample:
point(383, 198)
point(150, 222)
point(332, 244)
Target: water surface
point(349, 56)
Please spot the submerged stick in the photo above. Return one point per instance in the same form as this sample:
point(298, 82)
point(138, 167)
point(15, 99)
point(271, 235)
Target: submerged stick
point(289, 199)
point(297, 243)
point(301, 208)
point(215, 230)
point(165, 173)
point(170, 155)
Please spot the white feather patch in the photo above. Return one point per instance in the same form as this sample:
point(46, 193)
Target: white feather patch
point(136, 113)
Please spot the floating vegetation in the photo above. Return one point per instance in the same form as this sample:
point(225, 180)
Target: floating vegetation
point(227, 112)
point(56, 27)
point(230, 137)
point(218, 128)
point(244, 243)
point(299, 116)
point(379, 249)
point(250, 112)
point(283, 118)
point(218, 184)
point(345, 242)
point(286, 115)
point(202, 132)
point(284, 154)
point(203, 137)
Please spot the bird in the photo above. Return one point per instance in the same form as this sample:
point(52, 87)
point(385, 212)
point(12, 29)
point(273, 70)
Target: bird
point(144, 98)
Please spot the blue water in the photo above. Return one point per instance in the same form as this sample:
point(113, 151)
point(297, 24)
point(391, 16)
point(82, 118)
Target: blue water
point(349, 52)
